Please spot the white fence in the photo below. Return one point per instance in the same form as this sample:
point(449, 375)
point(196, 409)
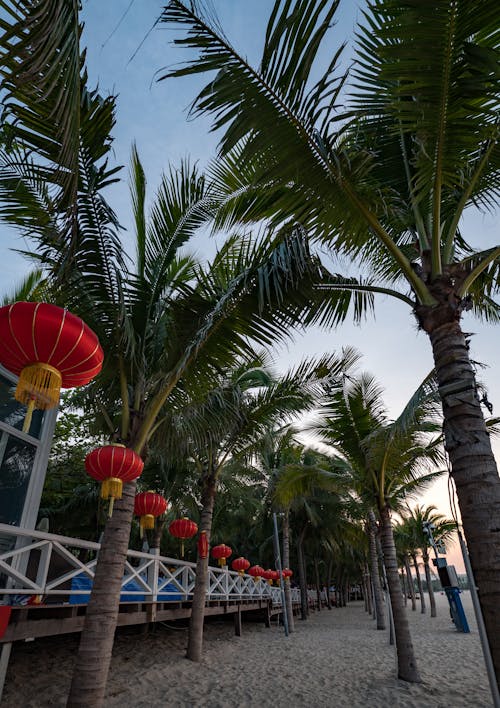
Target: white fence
point(53, 567)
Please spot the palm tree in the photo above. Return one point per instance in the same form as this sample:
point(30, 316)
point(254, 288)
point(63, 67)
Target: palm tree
point(413, 527)
point(226, 427)
point(384, 462)
point(384, 181)
point(166, 323)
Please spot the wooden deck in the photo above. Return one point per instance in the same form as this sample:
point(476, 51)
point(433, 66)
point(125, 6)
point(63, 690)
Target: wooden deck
point(51, 620)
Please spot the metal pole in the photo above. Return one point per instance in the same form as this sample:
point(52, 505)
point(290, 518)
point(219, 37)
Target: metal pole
point(480, 623)
point(277, 562)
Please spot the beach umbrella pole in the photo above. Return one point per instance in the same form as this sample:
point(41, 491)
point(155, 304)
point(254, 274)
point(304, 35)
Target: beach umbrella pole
point(277, 558)
point(490, 669)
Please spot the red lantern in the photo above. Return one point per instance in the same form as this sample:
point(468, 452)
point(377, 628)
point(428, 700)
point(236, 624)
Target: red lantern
point(287, 574)
point(112, 465)
point(203, 545)
point(149, 505)
point(275, 576)
point(240, 564)
point(49, 349)
point(183, 528)
point(257, 572)
point(269, 576)
point(221, 553)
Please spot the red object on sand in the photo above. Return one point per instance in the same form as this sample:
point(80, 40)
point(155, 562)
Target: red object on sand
point(5, 611)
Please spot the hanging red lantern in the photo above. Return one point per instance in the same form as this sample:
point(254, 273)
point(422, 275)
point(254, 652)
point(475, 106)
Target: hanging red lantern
point(287, 574)
point(240, 564)
point(221, 553)
point(269, 576)
point(49, 349)
point(183, 528)
point(275, 576)
point(149, 505)
point(203, 545)
point(112, 465)
point(257, 572)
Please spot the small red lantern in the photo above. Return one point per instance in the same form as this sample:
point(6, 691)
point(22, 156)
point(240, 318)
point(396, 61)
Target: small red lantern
point(149, 505)
point(257, 572)
point(287, 574)
point(240, 564)
point(49, 349)
point(112, 465)
point(269, 575)
point(183, 528)
point(221, 553)
point(203, 545)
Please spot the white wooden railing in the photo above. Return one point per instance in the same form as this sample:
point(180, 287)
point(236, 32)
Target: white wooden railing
point(49, 566)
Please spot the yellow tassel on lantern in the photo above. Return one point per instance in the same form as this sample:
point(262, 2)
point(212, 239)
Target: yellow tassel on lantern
point(38, 387)
point(147, 521)
point(222, 562)
point(112, 487)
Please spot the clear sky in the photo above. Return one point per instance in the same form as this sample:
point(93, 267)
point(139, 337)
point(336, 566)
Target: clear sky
point(125, 52)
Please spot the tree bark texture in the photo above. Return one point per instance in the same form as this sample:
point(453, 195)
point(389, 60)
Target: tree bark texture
point(317, 583)
point(195, 638)
point(430, 589)
point(419, 583)
point(403, 586)
point(91, 669)
point(304, 598)
point(473, 465)
point(374, 568)
point(407, 663)
point(286, 564)
point(411, 586)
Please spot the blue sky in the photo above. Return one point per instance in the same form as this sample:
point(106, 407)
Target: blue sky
point(155, 115)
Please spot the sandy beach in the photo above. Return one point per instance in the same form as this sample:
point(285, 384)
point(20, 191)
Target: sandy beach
point(337, 658)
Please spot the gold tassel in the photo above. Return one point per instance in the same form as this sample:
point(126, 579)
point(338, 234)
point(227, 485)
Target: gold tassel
point(147, 521)
point(40, 383)
point(222, 562)
point(111, 487)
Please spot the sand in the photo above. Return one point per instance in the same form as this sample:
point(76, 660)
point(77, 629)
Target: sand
point(337, 658)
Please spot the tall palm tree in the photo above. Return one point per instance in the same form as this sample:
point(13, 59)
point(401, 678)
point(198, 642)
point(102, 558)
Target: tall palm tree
point(444, 529)
point(384, 462)
point(384, 181)
point(166, 322)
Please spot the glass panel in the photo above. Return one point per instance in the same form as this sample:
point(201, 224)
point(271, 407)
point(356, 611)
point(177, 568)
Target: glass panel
point(16, 465)
point(13, 413)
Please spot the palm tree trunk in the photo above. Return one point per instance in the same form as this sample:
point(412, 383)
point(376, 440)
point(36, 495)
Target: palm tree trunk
point(318, 589)
point(91, 669)
point(377, 589)
point(430, 589)
point(419, 583)
point(410, 584)
point(286, 564)
point(403, 586)
point(329, 583)
point(473, 466)
point(158, 533)
point(304, 598)
point(407, 663)
point(195, 638)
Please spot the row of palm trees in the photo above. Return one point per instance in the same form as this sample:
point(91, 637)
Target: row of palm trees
point(383, 183)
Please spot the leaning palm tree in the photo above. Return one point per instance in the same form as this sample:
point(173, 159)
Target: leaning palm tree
point(166, 322)
point(384, 462)
point(413, 520)
point(381, 168)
